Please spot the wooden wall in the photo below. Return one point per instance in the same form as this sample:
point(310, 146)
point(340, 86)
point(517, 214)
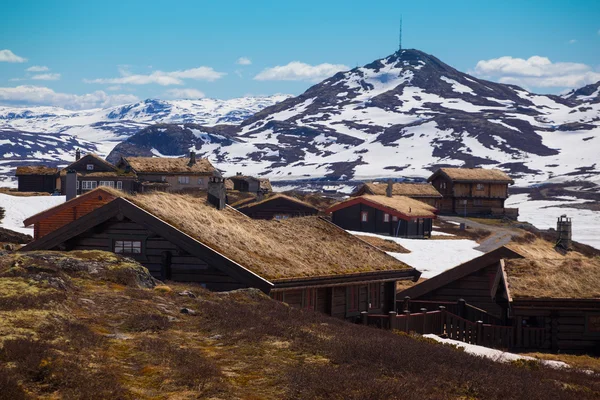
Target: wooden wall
point(278, 206)
point(155, 251)
point(36, 183)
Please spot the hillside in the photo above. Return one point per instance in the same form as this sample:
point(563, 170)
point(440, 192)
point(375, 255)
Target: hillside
point(91, 325)
point(404, 115)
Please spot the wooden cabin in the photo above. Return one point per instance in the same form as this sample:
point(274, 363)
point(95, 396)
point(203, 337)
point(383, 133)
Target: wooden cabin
point(277, 206)
point(559, 298)
point(473, 191)
point(243, 183)
point(395, 216)
point(169, 174)
point(37, 178)
point(53, 218)
point(93, 172)
point(424, 192)
point(307, 262)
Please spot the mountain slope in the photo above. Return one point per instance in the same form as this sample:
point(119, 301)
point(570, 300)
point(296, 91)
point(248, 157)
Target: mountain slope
point(406, 114)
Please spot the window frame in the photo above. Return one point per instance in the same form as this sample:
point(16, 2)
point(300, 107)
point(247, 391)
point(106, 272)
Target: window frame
point(110, 184)
point(386, 217)
point(364, 216)
point(279, 296)
point(89, 167)
point(352, 300)
point(201, 181)
point(480, 187)
point(89, 185)
point(309, 299)
point(120, 185)
point(442, 185)
point(183, 180)
point(374, 291)
point(128, 244)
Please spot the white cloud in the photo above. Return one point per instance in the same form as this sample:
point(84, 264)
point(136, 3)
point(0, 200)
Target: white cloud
point(243, 61)
point(37, 68)
point(572, 41)
point(184, 94)
point(299, 71)
point(161, 78)
point(536, 71)
point(46, 77)
point(37, 95)
point(8, 56)
point(113, 88)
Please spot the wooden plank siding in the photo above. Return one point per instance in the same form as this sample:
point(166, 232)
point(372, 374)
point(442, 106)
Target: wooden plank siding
point(37, 183)
point(478, 200)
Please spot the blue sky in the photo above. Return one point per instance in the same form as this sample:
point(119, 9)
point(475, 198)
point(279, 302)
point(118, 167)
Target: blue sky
point(86, 53)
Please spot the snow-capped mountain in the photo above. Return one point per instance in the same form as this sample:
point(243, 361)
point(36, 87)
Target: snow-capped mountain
point(50, 134)
point(402, 115)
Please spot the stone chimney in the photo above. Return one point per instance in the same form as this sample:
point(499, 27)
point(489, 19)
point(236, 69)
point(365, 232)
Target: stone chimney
point(564, 232)
point(389, 191)
point(77, 155)
point(216, 192)
point(71, 184)
point(192, 158)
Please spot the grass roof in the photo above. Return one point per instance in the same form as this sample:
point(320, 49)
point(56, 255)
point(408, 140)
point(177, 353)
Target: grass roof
point(401, 189)
point(247, 203)
point(558, 278)
point(36, 170)
point(293, 248)
point(263, 183)
point(401, 204)
point(158, 165)
point(477, 174)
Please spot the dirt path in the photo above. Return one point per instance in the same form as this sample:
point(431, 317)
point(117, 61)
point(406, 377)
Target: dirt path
point(499, 237)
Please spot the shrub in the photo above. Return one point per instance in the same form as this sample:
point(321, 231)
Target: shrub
point(9, 386)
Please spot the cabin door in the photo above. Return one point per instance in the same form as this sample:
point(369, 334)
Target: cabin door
point(165, 265)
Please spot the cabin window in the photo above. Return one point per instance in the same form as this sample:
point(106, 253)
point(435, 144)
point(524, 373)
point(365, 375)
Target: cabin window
point(386, 217)
point(442, 185)
point(309, 299)
point(184, 180)
point(364, 216)
point(200, 181)
point(477, 202)
point(374, 296)
point(480, 186)
point(89, 167)
point(107, 183)
point(282, 216)
point(77, 185)
point(277, 296)
point(163, 178)
point(395, 219)
point(119, 185)
point(128, 246)
point(353, 298)
point(89, 185)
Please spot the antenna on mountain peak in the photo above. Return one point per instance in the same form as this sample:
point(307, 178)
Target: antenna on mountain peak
point(400, 35)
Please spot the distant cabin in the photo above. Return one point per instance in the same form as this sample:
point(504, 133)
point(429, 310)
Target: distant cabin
point(277, 206)
point(424, 192)
point(554, 296)
point(170, 174)
point(395, 216)
point(93, 172)
point(306, 262)
point(243, 183)
point(473, 191)
point(37, 178)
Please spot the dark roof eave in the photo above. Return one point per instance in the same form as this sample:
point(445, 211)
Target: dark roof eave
point(332, 280)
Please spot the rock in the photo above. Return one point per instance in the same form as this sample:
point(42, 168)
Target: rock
point(187, 311)
point(172, 319)
point(87, 301)
point(118, 336)
point(188, 294)
point(215, 337)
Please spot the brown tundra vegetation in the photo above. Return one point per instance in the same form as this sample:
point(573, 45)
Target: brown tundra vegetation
point(91, 325)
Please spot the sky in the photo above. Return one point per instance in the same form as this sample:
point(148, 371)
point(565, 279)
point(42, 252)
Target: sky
point(85, 54)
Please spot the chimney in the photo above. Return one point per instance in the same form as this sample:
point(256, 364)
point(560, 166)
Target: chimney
point(192, 158)
point(238, 174)
point(389, 191)
point(216, 192)
point(77, 155)
point(564, 231)
point(71, 184)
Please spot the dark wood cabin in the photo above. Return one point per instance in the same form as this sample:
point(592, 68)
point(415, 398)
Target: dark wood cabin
point(37, 178)
point(395, 216)
point(473, 191)
point(278, 206)
point(308, 263)
point(169, 174)
point(546, 295)
point(251, 184)
point(93, 172)
point(424, 192)
point(62, 214)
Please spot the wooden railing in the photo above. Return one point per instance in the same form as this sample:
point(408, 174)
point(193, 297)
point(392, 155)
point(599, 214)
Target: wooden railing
point(460, 308)
point(444, 323)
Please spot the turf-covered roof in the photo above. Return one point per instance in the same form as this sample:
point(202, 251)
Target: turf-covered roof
point(405, 206)
point(159, 165)
point(474, 175)
point(35, 170)
point(400, 189)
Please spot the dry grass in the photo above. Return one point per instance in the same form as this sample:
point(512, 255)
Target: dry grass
point(16, 193)
point(400, 189)
point(384, 244)
point(36, 170)
point(583, 362)
point(477, 174)
point(293, 248)
point(267, 198)
point(401, 204)
point(158, 165)
point(557, 277)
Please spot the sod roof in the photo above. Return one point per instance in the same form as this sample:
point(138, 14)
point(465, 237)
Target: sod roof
point(36, 170)
point(166, 165)
point(247, 203)
point(474, 175)
point(400, 189)
point(306, 247)
point(405, 206)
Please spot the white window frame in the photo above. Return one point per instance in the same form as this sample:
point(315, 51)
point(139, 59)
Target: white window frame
point(77, 185)
point(395, 218)
point(364, 216)
point(89, 185)
point(200, 181)
point(120, 185)
point(442, 185)
point(386, 217)
point(127, 247)
point(163, 178)
point(480, 187)
point(183, 180)
point(89, 167)
point(107, 183)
